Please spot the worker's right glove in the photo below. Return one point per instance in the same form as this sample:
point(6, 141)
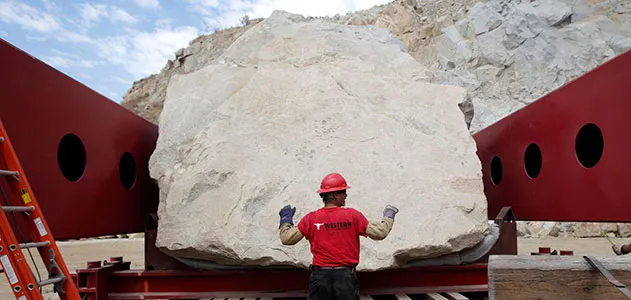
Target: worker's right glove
point(617, 249)
point(287, 215)
point(390, 211)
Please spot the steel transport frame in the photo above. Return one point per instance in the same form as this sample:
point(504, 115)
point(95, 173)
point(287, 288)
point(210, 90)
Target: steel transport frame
point(41, 106)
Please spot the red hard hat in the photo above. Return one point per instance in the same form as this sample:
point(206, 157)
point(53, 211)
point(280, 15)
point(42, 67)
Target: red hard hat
point(333, 182)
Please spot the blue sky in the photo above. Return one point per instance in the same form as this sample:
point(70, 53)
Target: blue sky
point(107, 45)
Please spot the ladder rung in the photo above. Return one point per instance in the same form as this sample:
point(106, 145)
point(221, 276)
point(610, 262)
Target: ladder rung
point(50, 281)
point(8, 173)
point(35, 245)
point(18, 208)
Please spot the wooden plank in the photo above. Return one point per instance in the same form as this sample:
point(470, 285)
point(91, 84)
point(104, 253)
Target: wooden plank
point(402, 297)
point(365, 297)
point(455, 296)
point(555, 277)
point(434, 296)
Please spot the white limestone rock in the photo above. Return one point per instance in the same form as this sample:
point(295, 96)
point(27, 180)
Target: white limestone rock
point(484, 20)
point(529, 47)
point(290, 101)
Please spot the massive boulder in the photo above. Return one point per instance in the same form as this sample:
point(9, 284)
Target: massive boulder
point(290, 101)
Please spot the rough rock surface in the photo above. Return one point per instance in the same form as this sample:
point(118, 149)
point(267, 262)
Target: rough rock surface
point(510, 53)
point(290, 101)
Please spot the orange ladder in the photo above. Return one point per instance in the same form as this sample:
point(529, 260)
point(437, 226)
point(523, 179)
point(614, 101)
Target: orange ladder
point(23, 282)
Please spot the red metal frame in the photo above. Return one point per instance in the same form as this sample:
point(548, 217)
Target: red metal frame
point(55, 104)
point(169, 279)
point(39, 106)
point(112, 281)
point(564, 190)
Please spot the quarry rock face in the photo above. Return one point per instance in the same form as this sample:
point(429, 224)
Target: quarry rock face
point(290, 101)
point(508, 54)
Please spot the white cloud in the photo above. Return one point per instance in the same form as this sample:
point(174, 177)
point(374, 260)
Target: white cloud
point(56, 61)
point(51, 7)
point(36, 38)
point(161, 23)
point(119, 14)
point(27, 17)
point(145, 53)
point(61, 59)
point(95, 12)
point(70, 36)
point(148, 3)
point(4, 33)
point(117, 79)
point(84, 75)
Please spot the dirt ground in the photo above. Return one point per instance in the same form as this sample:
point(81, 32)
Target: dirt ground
point(77, 253)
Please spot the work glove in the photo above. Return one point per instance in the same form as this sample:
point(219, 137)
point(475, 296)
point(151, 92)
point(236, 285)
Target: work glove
point(287, 215)
point(617, 249)
point(390, 211)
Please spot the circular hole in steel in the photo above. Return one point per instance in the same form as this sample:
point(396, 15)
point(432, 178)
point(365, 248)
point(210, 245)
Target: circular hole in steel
point(17, 288)
point(496, 170)
point(71, 157)
point(12, 247)
point(30, 286)
point(589, 145)
point(532, 160)
point(127, 170)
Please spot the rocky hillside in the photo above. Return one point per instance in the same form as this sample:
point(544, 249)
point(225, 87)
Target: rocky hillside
point(506, 53)
point(415, 22)
point(147, 95)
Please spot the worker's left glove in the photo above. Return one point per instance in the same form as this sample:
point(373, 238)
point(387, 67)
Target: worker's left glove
point(287, 215)
point(617, 249)
point(390, 211)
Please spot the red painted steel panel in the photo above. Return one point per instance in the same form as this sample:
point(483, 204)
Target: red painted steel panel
point(292, 283)
point(38, 106)
point(564, 190)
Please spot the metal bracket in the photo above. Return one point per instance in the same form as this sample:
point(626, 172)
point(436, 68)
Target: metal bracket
point(505, 214)
point(52, 265)
point(598, 266)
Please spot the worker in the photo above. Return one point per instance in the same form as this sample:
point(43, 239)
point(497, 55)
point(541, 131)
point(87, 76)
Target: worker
point(333, 232)
point(621, 249)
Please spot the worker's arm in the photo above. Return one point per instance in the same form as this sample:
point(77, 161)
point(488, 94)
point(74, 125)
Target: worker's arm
point(289, 234)
point(379, 230)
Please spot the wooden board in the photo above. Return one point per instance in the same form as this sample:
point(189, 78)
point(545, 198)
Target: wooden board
point(555, 277)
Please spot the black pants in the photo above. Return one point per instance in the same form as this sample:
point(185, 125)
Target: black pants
point(333, 284)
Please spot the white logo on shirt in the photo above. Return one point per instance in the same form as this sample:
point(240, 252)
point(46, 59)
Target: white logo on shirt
point(318, 225)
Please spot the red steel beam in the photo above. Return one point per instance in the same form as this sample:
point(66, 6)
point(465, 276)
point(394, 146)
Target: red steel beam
point(41, 105)
point(564, 189)
point(287, 283)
